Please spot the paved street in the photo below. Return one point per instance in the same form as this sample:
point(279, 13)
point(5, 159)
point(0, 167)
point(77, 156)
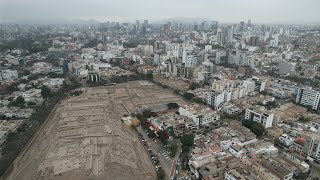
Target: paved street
point(158, 150)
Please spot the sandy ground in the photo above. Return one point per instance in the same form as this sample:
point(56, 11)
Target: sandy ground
point(85, 139)
point(173, 83)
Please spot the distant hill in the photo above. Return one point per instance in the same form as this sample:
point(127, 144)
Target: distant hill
point(51, 21)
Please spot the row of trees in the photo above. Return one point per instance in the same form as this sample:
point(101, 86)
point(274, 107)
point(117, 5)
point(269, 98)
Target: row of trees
point(255, 127)
point(144, 123)
point(191, 97)
point(269, 105)
point(173, 106)
point(126, 78)
point(187, 143)
point(18, 102)
point(162, 134)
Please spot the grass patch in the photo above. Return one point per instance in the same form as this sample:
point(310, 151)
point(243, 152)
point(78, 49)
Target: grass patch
point(173, 150)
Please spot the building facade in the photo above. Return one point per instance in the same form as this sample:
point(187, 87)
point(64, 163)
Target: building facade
point(260, 116)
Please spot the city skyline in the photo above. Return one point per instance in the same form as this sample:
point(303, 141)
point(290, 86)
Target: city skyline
point(230, 11)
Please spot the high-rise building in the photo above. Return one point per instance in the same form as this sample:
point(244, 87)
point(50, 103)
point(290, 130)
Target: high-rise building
point(218, 58)
point(241, 26)
point(104, 39)
point(214, 27)
point(144, 30)
point(229, 35)
point(249, 22)
point(220, 37)
point(145, 23)
point(308, 97)
point(253, 41)
point(156, 59)
point(215, 98)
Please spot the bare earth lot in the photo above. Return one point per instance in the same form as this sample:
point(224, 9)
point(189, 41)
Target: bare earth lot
point(85, 139)
point(173, 83)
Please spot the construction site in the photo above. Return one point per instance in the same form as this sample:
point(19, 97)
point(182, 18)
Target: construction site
point(84, 138)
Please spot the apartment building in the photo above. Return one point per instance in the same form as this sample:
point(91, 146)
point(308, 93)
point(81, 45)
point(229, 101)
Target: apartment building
point(260, 115)
point(199, 114)
point(8, 75)
point(308, 97)
point(277, 168)
point(309, 146)
point(234, 175)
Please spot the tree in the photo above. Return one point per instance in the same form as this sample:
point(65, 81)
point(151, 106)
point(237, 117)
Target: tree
point(12, 87)
point(148, 113)
point(188, 96)
point(187, 140)
point(198, 100)
point(304, 119)
point(151, 134)
point(176, 91)
point(19, 102)
point(161, 175)
point(194, 86)
point(173, 150)
point(45, 92)
point(270, 104)
point(276, 142)
point(163, 137)
point(150, 76)
point(173, 105)
point(255, 127)
point(31, 103)
point(299, 68)
point(25, 73)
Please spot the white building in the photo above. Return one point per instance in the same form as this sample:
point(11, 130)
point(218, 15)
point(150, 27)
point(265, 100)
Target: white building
point(249, 85)
point(199, 115)
point(236, 151)
point(309, 145)
point(308, 97)
point(156, 59)
point(21, 113)
point(218, 57)
point(52, 83)
point(8, 75)
point(33, 95)
point(57, 70)
point(286, 140)
point(233, 175)
point(82, 73)
point(191, 61)
point(215, 98)
point(231, 109)
point(260, 115)
point(263, 147)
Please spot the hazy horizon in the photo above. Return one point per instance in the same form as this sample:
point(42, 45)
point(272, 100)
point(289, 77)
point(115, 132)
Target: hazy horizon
point(227, 11)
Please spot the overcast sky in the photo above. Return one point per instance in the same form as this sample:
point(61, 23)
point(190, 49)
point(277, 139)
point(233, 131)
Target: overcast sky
point(261, 11)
